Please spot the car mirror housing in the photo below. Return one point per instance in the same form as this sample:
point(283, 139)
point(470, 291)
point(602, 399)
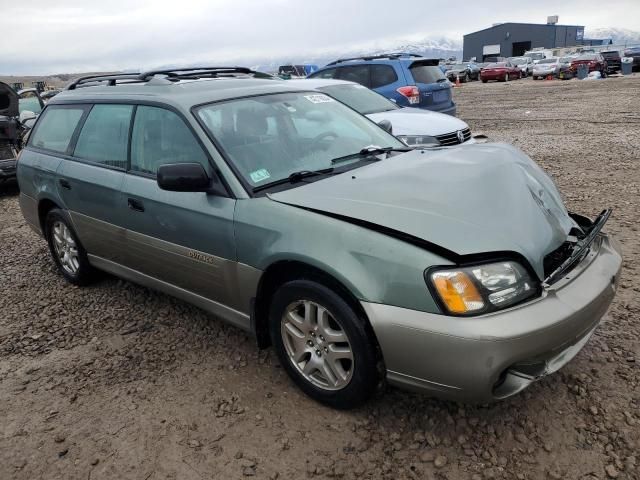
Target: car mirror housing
point(386, 125)
point(185, 177)
point(27, 115)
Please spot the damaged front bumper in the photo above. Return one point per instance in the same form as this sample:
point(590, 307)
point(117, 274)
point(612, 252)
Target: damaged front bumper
point(494, 356)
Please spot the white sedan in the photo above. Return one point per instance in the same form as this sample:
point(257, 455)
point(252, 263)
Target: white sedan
point(414, 126)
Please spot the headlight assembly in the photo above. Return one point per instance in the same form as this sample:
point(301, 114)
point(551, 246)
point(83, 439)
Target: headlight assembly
point(480, 289)
point(419, 140)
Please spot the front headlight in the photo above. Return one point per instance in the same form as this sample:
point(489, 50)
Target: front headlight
point(480, 289)
point(419, 140)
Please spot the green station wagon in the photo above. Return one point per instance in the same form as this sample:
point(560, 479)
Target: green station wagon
point(455, 271)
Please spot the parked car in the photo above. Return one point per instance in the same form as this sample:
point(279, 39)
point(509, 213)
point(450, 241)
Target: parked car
point(594, 61)
point(614, 61)
point(538, 55)
point(557, 67)
point(296, 71)
point(525, 64)
point(462, 71)
point(634, 52)
point(414, 126)
point(48, 94)
point(455, 271)
point(407, 79)
point(500, 71)
point(17, 113)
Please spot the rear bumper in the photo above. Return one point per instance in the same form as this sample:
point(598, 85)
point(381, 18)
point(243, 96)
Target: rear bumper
point(479, 359)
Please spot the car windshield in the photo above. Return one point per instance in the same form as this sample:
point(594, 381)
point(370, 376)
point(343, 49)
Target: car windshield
point(29, 101)
point(519, 61)
point(360, 98)
point(535, 56)
point(458, 66)
point(496, 65)
point(269, 137)
point(547, 60)
point(587, 57)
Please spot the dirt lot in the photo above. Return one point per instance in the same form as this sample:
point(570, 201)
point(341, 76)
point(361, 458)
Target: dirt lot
point(116, 381)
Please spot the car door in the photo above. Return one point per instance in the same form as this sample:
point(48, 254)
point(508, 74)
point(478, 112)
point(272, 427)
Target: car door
point(90, 179)
point(184, 239)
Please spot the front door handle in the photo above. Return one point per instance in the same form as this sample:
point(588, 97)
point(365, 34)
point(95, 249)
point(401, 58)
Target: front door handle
point(135, 205)
point(64, 184)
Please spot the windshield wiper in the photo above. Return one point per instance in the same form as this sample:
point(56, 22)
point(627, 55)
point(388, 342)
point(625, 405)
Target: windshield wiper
point(370, 151)
point(295, 177)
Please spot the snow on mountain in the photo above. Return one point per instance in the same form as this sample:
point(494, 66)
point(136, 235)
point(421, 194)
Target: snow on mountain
point(620, 36)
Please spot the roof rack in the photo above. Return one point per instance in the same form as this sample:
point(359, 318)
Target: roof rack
point(391, 55)
point(170, 74)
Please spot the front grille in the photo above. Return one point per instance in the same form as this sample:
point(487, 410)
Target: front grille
point(452, 138)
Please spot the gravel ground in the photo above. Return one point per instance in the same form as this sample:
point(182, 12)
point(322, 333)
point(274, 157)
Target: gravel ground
point(116, 381)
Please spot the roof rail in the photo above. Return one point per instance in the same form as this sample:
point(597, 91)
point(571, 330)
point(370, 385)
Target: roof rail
point(111, 78)
point(392, 55)
point(172, 74)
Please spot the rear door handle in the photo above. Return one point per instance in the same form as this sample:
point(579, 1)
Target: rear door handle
point(64, 184)
point(135, 205)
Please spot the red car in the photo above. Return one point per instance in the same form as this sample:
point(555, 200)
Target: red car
point(500, 71)
point(594, 61)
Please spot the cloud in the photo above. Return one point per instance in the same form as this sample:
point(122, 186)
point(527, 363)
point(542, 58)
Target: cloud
point(87, 35)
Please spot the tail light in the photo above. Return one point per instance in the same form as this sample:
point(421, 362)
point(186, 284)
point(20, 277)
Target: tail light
point(411, 93)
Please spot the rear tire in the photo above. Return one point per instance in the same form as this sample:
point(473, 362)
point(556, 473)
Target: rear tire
point(68, 253)
point(323, 344)
point(484, 81)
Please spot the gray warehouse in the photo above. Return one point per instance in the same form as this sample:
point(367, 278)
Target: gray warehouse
point(513, 39)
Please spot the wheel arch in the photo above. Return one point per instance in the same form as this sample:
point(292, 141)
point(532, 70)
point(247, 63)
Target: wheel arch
point(45, 205)
point(283, 271)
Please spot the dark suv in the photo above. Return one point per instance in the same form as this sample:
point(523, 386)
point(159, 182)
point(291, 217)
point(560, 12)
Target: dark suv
point(614, 62)
point(405, 78)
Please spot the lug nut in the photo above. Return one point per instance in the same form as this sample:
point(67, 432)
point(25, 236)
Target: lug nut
point(321, 338)
point(318, 352)
point(313, 334)
point(326, 350)
point(310, 343)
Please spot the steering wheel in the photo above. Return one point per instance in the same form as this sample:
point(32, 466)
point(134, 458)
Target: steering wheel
point(315, 142)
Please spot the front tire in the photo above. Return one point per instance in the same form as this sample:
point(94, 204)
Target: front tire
point(323, 344)
point(68, 253)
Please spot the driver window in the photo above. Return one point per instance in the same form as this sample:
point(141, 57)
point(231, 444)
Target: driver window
point(159, 137)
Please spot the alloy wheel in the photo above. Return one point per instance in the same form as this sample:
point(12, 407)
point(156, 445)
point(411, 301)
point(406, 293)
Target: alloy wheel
point(317, 345)
point(65, 247)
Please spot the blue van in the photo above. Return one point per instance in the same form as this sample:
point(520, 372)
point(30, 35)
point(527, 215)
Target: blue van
point(405, 78)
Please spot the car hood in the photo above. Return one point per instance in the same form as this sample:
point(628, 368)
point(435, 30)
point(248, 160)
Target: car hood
point(8, 101)
point(474, 199)
point(416, 121)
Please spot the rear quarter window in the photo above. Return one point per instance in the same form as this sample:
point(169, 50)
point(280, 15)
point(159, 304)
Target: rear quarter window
point(56, 128)
point(382, 75)
point(426, 73)
point(328, 73)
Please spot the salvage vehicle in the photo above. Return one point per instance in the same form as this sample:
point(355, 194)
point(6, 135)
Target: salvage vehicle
point(414, 126)
point(405, 78)
point(17, 112)
point(500, 71)
point(614, 61)
point(556, 67)
point(462, 71)
point(456, 271)
point(594, 61)
point(525, 64)
point(633, 52)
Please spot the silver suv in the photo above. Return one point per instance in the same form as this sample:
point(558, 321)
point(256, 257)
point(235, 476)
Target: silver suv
point(456, 271)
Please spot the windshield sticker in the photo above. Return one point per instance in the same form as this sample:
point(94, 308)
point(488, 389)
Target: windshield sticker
point(319, 98)
point(259, 175)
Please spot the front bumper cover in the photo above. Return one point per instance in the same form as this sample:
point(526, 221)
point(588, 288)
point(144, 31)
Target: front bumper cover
point(479, 359)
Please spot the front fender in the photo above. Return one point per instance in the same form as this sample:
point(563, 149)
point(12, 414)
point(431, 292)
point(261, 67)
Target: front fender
point(375, 267)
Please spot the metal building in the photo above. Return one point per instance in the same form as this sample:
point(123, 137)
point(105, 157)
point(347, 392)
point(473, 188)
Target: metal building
point(513, 39)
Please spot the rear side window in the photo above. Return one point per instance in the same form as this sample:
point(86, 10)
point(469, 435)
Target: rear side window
point(382, 75)
point(426, 73)
point(55, 128)
point(328, 73)
point(159, 137)
point(355, 73)
point(105, 135)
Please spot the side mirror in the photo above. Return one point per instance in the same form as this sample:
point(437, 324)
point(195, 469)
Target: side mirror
point(183, 177)
point(26, 115)
point(386, 125)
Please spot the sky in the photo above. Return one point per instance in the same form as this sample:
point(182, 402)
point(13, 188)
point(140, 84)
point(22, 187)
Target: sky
point(67, 36)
